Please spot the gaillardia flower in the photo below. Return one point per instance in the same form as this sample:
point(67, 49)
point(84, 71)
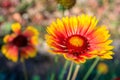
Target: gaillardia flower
point(20, 44)
point(78, 38)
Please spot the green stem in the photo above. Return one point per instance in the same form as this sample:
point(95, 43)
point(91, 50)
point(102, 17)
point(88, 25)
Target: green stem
point(70, 71)
point(75, 72)
point(97, 76)
point(63, 70)
point(25, 70)
point(52, 77)
point(91, 69)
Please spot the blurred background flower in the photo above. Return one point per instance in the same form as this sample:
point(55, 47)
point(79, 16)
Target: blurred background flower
point(102, 68)
point(20, 45)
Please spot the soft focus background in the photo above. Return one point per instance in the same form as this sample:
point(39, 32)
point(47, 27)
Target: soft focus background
point(40, 13)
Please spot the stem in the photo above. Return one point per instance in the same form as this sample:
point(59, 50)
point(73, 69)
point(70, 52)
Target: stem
point(63, 70)
point(91, 69)
point(75, 72)
point(70, 71)
point(97, 76)
point(53, 74)
point(56, 59)
point(25, 70)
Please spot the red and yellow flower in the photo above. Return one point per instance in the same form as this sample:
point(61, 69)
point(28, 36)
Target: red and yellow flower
point(78, 39)
point(20, 44)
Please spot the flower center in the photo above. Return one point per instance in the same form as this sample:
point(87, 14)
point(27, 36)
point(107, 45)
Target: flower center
point(77, 45)
point(20, 41)
point(76, 41)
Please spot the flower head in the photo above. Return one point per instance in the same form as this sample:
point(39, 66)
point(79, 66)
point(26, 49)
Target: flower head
point(67, 4)
point(78, 38)
point(20, 44)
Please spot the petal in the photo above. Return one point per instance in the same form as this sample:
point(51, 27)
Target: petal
point(4, 49)
point(9, 38)
point(88, 55)
point(99, 48)
point(80, 60)
point(16, 27)
point(11, 52)
point(77, 60)
point(96, 36)
point(57, 44)
point(103, 54)
point(23, 55)
point(106, 57)
point(57, 30)
point(6, 38)
point(107, 42)
point(69, 56)
point(34, 40)
point(86, 24)
point(28, 51)
point(31, 31)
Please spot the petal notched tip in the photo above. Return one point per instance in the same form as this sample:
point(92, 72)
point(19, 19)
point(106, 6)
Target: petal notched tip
point(16, 27)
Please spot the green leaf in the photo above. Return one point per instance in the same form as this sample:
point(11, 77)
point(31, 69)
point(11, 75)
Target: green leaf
point(5, 28)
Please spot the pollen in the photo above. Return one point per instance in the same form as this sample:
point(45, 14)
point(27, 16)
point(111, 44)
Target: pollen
point(76, 41)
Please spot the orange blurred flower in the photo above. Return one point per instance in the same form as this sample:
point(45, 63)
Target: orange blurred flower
point(78, 38)
point(20, 45)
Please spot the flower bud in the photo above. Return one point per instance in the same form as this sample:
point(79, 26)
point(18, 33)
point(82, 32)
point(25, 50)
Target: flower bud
point(67, 4)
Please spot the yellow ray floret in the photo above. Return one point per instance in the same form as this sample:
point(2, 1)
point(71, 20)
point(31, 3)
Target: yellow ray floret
point(16, 27)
